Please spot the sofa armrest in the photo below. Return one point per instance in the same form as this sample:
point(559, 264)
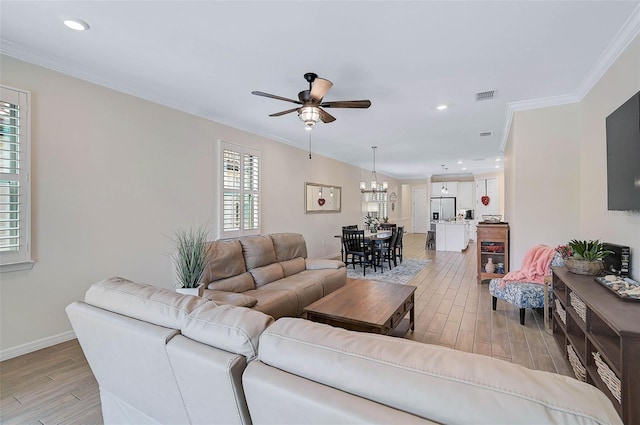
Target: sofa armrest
point(323, 264)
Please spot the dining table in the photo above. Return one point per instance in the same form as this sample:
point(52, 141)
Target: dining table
point(378, 237)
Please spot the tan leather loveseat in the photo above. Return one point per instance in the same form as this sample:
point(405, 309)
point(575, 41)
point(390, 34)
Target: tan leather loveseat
point(269, 273)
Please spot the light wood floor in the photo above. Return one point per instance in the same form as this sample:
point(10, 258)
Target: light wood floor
point(55, 385)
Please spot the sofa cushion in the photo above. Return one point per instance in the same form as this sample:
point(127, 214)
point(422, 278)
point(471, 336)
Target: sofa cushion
point(281, 303)
point(289, 245)
point(225, 260)
point(307, 289)
point(323, 264)
point(230, 328)
point(140, 301)
point(267, 274)
point(331, 279)
point(240, 283)
point(229, 298)
point(258, 251)
point(293, 266)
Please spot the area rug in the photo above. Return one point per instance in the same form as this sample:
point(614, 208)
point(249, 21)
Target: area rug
point(402, 274)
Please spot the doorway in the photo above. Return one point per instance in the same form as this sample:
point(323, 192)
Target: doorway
point(420, 210)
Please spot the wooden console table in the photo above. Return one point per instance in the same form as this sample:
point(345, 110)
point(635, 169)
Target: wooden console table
point(588, 318)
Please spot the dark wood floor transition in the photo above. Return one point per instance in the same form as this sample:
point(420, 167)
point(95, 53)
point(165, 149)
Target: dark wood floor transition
point(55, 385)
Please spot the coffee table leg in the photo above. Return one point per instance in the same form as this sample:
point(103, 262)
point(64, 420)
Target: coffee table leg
point(412, 314)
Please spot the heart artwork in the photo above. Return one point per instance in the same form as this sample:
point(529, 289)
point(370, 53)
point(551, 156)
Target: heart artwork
point(321, 201)
point(485, 200)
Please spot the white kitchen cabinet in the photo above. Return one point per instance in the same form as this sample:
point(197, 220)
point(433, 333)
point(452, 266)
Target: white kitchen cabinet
point(452, 236)
point(465, 198)
point(436, 189)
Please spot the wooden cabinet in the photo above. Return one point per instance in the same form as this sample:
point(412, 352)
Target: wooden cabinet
point(599, 334)
point(493, 242)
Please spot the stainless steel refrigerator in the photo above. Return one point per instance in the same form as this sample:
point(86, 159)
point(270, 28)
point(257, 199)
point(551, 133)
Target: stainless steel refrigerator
point(445, 207)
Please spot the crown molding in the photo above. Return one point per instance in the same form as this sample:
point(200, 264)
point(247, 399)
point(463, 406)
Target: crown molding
point(627, 33)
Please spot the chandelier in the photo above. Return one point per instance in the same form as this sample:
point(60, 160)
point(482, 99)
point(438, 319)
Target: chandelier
point(374, 185)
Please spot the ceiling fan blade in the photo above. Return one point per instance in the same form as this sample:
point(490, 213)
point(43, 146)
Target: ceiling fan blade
point(273, 96)
point(320, 88)
point(325, 117)
point(288, 111)
point(347, 104)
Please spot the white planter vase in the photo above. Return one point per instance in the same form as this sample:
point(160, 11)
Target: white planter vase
point(198, 291)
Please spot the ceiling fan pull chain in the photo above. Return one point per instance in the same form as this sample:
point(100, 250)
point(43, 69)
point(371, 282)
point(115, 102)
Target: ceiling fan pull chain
point(309, 145)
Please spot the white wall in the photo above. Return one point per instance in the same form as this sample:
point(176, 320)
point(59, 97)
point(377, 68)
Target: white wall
point(556, 173)
point(113, 175)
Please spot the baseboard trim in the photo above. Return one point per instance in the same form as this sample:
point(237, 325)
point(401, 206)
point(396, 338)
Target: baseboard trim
point(30, 347)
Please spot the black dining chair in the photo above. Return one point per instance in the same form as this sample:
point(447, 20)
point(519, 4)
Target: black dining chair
point(356, 246)
point(386, 250)
point(397, 249)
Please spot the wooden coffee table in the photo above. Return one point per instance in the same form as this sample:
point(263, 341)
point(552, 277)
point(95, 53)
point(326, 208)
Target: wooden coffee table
point(367, 306)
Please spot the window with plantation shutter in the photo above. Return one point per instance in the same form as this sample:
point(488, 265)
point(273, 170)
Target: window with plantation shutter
point(15, 206)
point(240, 191)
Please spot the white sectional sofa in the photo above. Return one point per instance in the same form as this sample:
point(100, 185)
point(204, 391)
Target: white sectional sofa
point(162, 357)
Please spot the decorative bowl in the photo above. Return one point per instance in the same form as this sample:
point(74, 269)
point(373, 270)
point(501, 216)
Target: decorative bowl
point(492, 218)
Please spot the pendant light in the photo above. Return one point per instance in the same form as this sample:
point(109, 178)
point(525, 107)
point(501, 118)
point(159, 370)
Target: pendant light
point(374, 185)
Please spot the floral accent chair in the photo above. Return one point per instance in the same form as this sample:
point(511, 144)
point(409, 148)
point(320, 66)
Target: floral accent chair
point(522, 294)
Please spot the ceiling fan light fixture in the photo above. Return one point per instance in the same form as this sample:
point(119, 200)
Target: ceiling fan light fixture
point(76, 24)
point(309, 115)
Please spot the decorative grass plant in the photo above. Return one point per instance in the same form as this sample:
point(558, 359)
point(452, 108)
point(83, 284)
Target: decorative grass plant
point(190, 255)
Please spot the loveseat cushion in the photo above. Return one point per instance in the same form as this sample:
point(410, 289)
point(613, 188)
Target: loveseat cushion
point(293, 266)
point(141, 301)
point(229, 298)
point(306, 288)
point(442, 380)
point(258, 251)
point(225, 260)
point(319, 264)
point(275, 303)
point(267, 274)
point(240, 283)
point(289, 245)
point(233, 329)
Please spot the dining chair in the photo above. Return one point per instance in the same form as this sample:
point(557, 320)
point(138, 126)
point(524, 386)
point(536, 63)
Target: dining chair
point(356, 246)
point(386, 250)
point(397, 249)
point(387, 226)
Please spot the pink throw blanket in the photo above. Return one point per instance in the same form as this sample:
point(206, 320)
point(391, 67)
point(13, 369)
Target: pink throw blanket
point(536, 264)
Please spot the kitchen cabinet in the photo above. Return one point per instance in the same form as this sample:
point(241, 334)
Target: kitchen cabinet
point(452, 236)
point(493, 242)
point(465, 198)
point(436, 189)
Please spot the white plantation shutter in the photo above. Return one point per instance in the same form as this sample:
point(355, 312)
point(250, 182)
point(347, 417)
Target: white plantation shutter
point(240, 191)
point(14, 180)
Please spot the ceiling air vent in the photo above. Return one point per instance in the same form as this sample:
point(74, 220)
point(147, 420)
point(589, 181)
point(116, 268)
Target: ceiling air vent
point(485, 95)
point(486, 133)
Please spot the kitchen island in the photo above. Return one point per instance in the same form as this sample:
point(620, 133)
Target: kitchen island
point(452, 235)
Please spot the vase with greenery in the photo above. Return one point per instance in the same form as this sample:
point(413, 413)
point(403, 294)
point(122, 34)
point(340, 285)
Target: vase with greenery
point(190, 259)
point(584, 257)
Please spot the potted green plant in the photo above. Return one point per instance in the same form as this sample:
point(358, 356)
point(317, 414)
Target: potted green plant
point(585, 257)
point(190, 259)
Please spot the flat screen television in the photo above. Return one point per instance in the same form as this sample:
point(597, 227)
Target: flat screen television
point(623, 156)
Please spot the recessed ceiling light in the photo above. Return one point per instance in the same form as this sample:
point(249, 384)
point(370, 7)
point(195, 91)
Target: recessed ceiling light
point(464, 168)
point(441, 107)
point(459, 162)
point(76, 24)
point(497, 166)
point(497, 159)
